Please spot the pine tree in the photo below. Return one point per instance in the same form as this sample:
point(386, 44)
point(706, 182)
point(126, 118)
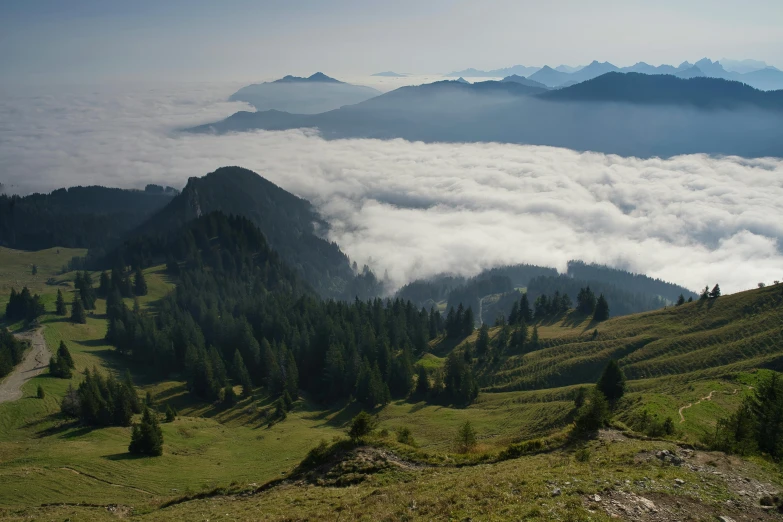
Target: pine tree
point(601, 309)
point(147, 437)
point(513, 317)
point(60, 308)
point(466, 438)
point(705, 294)
point(240, 374)
point(525, 313)
point(680, 300)
point(291, 375)
point(171, 415)
point(78, 315)
point(612, 382)
point(482, 342)
point(65, 356)
point(104, 285)
point(592, 415)
point(35, 269)
point(715, 293)
point(139, 283)
point(468, 322)
point(133, 397)
point(422, 383)
point(534, 343)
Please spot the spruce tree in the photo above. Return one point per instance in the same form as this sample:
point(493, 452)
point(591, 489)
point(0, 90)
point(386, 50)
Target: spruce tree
point(482, 342)
point(422, 383)
point(78, 315)
point(468, 322)
point(466, 438)
point(60, 308)
point(65, 356)
point(680, 300)
point(291, 376)
point(601, 309)
point(133, 397)
point(41, 393)
point(534, 343)
point(147, 437)
point(525, 313)
point(104, 285)
point(715, 293)
point(139, 283)
point(171, 415)
point(612, 382)
point(229, 396)
point(592, 415)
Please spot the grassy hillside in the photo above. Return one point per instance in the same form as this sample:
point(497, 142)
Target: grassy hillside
point(673, 358)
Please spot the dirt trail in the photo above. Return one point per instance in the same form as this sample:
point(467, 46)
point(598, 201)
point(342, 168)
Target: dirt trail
point(35, 361)
point(106, 481)
point(707, 398)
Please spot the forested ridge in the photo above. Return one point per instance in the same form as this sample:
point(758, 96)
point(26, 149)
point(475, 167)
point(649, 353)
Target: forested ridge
point(239, 312)
point(77, 217)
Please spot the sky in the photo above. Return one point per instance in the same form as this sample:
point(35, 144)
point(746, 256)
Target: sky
point(97, 41)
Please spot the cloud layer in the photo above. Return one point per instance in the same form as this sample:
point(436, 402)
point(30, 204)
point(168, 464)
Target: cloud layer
point(415, 209)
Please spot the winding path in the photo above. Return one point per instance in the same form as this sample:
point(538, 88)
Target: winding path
point(35, 361)
point(706, 398)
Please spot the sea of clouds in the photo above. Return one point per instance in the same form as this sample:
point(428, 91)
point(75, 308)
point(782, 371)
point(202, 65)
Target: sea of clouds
point(415, 209)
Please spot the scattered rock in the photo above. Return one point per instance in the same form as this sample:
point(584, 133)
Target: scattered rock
point(556, 492)
point(595, 498)
point(679, 481)
point(724, 518)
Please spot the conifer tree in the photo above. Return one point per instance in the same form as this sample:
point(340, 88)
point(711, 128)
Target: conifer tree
point(171, 415)
point(601, 309)
point(525, 313)
point(104, 285)
point(422, 383)
point(534, 343)
point(147, 437)
point(139, 283)
point(60, 308)
point(680, 300)
point(240, 374)
point(41, 393)
point(229, 396)
point(65, 356)
point(78, 315)
point(592, 415)
point(612, 382)
point(482, 341)
point(705, 294)
point(468, 322)
point(715, 293)
point(133, 397)
point(291, 376)
point(466, 438)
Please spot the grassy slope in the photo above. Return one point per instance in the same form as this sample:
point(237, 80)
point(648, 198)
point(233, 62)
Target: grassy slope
point(209, 446)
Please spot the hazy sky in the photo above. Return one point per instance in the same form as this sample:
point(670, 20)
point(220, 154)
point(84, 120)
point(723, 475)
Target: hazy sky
point(99, 40)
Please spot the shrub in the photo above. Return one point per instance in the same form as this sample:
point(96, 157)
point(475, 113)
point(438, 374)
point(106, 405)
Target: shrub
point(361, 426)
point(404, 436)
point(593, 415)
point(41, 392)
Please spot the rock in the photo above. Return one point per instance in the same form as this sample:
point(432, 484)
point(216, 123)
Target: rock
point(595, 498)
point(724, 518)
point(647, 503)
point(679, 481)
point(556, 492)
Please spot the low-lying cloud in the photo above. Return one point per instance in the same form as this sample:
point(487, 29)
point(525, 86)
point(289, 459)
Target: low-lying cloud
point(415, 209)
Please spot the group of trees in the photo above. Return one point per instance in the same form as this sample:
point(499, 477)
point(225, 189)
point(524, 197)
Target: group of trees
point(61, 364)
point(594, 407)
point(710, 294)
point(239, 315)
point(102, 401)
point(623, 301)
point(757, 425)
point(459, 323)
point(23, 306)
point(11, 351)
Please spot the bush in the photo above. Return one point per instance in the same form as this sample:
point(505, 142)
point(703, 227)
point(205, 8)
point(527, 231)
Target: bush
point(582, 455)
point(404, 436)
point(41, 392)
point(361, 426)
point(171, 414)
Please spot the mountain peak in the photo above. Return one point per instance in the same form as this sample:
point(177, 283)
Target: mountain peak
point(318, 77)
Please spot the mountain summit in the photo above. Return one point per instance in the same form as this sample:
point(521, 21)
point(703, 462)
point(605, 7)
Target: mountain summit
point(315, 78)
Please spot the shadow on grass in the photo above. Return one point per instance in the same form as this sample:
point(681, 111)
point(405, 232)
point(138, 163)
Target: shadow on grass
point(124, 456)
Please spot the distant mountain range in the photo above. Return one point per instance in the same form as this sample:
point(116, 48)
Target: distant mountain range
point(311, 95)
point(630, 114)
point(390, 74)
point(752, 72)
point(520, 70)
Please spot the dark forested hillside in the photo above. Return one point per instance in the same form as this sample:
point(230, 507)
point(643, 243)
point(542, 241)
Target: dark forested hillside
point(621, 301)
point(238, 313)
point(290, 223)
point(628, 281)
point(77, 217)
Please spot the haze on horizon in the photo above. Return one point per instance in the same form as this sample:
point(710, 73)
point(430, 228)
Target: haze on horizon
point(91, 41)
